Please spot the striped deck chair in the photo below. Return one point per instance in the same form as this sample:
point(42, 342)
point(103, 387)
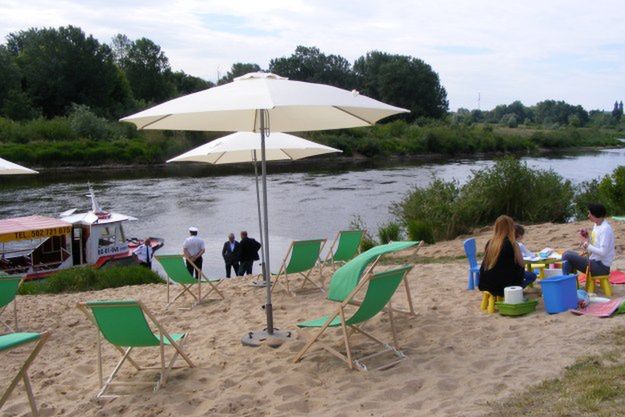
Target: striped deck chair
point(379, 288)
point(123, 324)
point(14, 340)
point(176, 270)
point(301, 257)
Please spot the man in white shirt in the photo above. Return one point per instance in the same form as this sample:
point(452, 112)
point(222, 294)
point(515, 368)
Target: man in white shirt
point(599, 244)
point(144, 253)
point(193, 248)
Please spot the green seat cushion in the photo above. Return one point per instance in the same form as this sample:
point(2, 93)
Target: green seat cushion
point(176, 269)
point(319, 322)
point(11, 340)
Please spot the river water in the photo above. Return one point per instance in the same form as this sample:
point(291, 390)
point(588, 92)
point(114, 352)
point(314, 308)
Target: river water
point(315, 202)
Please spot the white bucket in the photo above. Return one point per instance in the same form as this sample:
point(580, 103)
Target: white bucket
point(552, 272)
point(513, 295)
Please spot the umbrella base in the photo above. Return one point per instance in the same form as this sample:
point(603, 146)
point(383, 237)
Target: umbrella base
point(259, 337)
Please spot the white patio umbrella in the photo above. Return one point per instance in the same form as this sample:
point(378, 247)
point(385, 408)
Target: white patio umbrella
point(264, 102)
point(244, 147)
point(9, 168)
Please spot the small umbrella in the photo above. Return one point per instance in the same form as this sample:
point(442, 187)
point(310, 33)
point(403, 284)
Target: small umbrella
point(9, 168)
point(264, 102)
point(243, 147)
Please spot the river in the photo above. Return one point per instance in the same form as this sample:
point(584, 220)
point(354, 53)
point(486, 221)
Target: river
point(302, 205)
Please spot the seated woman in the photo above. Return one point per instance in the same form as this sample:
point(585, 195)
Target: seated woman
point(599, 245)
point(503, 263)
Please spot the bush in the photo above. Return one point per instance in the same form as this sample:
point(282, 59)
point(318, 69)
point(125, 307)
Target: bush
point(609, 191)
point(87, 124)
point(367, 242)
point(390, 232)
point(443, 210)
point(419, 230)
point(89, 279)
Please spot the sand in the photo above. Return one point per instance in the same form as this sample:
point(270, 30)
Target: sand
point(459, 360)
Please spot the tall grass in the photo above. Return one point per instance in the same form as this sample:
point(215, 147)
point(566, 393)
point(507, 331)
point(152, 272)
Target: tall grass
point(89, 279)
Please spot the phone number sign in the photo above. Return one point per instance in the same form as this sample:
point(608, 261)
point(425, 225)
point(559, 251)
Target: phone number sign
point(35, 234)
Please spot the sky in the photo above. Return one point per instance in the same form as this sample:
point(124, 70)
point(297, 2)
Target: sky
point(499, 51)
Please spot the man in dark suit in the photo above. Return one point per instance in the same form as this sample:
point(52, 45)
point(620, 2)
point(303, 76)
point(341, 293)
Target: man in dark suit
point(249, 248)
point(230, 253)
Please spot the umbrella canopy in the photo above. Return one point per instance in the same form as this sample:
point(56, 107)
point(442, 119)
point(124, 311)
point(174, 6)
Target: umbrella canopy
point(292, 106)
point(263, 102)
point(245, 147)
point(9, 168)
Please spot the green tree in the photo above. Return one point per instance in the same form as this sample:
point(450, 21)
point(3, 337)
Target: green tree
point(187, 84)
point(551, 111)
point(64, 66)
point(238, 69)
point(402, 81)
point(147, 69)
point(311, 65)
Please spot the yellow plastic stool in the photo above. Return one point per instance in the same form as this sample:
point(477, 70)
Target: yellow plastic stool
point(488, 302)
point(604, 282)
point(541, 270)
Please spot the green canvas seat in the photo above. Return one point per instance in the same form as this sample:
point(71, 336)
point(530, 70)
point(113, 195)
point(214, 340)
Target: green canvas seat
point(14, 340)
point(9, 284)
point(176, 270)
point(345, 246)
point(379, 288)
point(345, 279)
point(123, 324)
point(301, 257)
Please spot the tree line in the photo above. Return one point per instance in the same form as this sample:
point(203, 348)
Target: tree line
point(49, 71)
point(547, 113)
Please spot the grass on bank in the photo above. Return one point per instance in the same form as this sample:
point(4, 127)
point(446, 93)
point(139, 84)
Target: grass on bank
point(593, 386)
point(86, 278)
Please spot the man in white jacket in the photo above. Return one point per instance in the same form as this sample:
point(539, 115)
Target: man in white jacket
point(599, 244)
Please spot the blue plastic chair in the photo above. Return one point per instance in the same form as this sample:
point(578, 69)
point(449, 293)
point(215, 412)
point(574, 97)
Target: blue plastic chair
point(470, 250)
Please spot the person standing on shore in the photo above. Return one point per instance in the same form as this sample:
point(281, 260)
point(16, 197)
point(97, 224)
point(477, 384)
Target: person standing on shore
point(193, 248)
point(230, 253)
point(599, 244)
point(249, 248)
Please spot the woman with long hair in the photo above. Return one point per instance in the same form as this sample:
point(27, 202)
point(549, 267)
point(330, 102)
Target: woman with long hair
point(503, 264)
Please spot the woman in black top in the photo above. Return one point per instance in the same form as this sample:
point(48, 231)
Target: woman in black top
point(503, 264)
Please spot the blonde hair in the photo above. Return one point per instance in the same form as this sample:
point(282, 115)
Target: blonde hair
point(504, 228)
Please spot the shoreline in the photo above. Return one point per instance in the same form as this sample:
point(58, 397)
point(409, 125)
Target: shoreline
point(330, 162)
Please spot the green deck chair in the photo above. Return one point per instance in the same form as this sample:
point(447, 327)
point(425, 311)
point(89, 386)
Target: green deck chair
point(345, 246)
point(302, 257)
point(176, 270)
point(123, 324)
point(380, 287)
point(14, 340)
point(9, 285)
point(346, 278)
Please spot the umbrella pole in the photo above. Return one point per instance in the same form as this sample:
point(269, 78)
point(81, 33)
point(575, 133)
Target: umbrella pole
point(266, 267)
point(260, 219)
point(273, 336)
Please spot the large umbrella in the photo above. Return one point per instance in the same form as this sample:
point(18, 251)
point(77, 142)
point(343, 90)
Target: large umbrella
point(9, 168)
point(263, 102)
point(243, 147)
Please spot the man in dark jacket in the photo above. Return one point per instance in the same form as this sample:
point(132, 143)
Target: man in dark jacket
point(248, 253)
point(230, 253)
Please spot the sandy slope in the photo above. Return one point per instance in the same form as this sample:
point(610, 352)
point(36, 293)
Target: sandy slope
point(459, 359)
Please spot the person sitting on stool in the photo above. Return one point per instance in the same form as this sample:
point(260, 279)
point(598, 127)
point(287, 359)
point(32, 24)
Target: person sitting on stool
point(599, 244)
point(193, 248)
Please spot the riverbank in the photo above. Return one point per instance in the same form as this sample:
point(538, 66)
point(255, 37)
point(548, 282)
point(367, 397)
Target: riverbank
point(460, 361)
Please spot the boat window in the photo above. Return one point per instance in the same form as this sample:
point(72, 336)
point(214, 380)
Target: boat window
point(107, 237)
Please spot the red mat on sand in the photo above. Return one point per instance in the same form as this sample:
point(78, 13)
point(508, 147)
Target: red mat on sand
point(601, 309)
point(616, 277)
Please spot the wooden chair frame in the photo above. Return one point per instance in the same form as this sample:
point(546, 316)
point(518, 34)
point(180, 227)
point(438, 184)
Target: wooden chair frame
point(188, 288)
point(164, 370)
point(305, 275)
point(330, 256)
point(23, 374)
point(350, 330)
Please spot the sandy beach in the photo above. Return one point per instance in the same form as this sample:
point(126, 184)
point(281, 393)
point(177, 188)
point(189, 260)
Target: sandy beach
point(459, 360)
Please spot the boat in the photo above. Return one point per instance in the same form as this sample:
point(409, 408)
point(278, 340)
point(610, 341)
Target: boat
point(38, 246)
